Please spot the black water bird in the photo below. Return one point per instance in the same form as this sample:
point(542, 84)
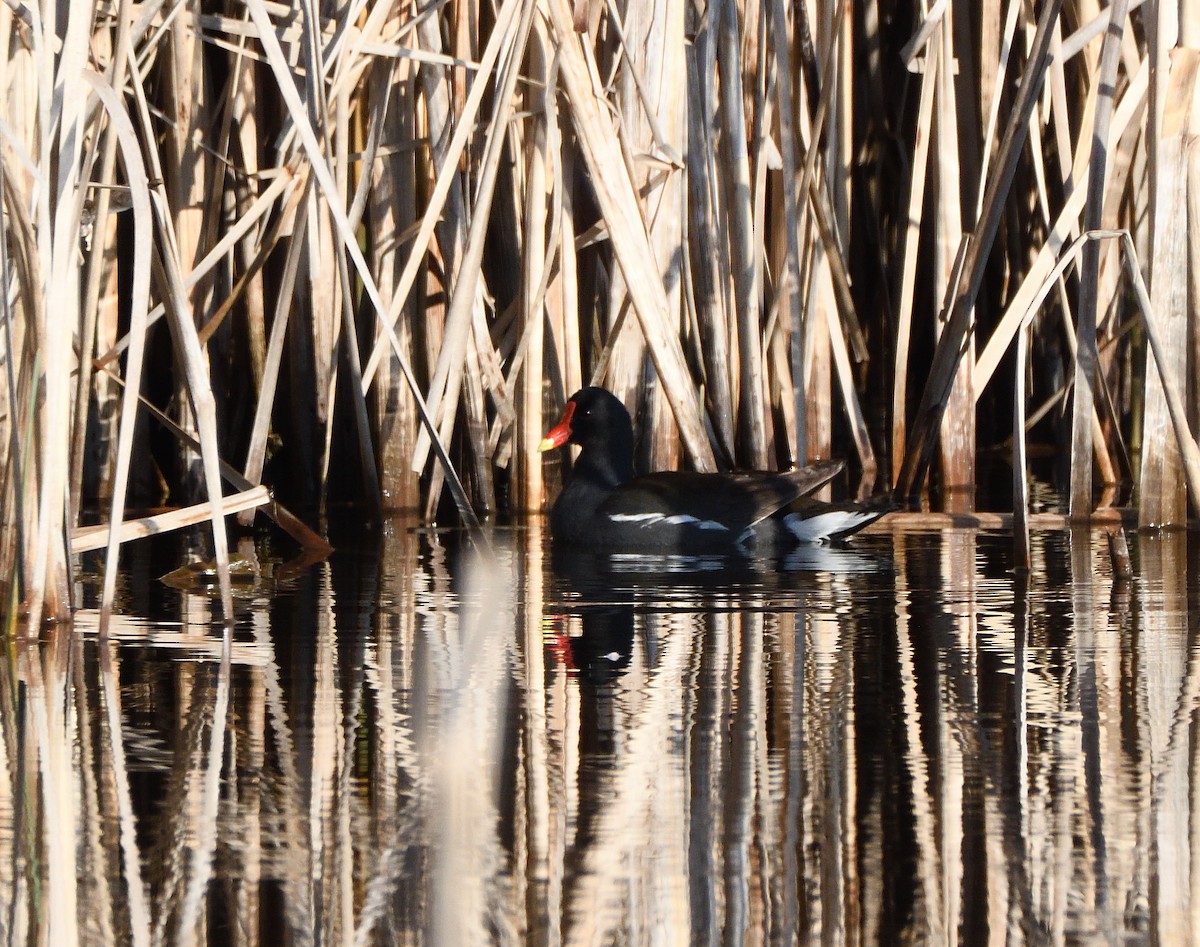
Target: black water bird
point(604, 507)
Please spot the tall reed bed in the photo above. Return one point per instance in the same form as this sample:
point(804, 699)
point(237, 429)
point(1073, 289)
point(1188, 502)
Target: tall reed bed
point(388, 239)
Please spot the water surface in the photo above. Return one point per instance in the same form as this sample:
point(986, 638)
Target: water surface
point(895, 741)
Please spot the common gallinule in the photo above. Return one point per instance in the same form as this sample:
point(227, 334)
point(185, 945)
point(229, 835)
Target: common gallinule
point(604, 506)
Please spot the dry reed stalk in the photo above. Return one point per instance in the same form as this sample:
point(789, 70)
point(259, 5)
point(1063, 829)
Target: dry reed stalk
point(559, 279)
point(239, 294)
point(325, 278)
point(1059, 118)
point(99, 264)
point(1172, 393)
point(336, 213)
point(1164, 362)
point(14, 562)
point(784, 400)
point(391, 207)
point(466, 300)
point(1189, 26)
point(199, 394)
point(281, 184)
point(1104, 464)
point(135, 172)
point(752, 417)
point(1091, 28)
point(1162, 499)
point(447, 176)
point(340, 149)
point(534, 265)
point(828, 281)
point(654, 60)
point(819, 311)
point(618, 205)
point(1193, 210)
point(950, 346)
point(243, 114)
point(571, 363)
point(189, 351)
point(997, 23)
point(476, 432)
point(991, 84)
point(912, 233)
point(828, 230)
point(789, 288)
point(350, 354)
point(256, 452)
point(98, 458)
point(822, 273)
point(1086, 354)
point(463, 246)
point(958, 419)
point(57, 214)
point(1067, 221)
point(706, 249)
point(86, 538)
point(186, 174)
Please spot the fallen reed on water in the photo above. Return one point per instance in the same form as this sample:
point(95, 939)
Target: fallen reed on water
point(389, 239)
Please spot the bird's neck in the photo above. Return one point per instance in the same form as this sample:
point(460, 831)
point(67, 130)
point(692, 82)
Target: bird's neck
point(605, 468)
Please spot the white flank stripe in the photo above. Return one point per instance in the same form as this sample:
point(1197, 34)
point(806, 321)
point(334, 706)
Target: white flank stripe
point(641, 518)
point(678, 519)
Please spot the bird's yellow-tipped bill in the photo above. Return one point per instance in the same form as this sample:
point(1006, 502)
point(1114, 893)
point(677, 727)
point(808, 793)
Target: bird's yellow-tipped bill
point(560, 433)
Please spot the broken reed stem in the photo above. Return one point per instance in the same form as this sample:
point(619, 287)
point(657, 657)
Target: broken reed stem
point(95, 537)
point(286, 520)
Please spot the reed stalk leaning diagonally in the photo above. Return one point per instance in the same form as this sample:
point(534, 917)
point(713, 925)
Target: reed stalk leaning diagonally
point(400, 234)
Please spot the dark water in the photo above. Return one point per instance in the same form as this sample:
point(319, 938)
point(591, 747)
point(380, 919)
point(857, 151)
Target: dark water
point(898, 741)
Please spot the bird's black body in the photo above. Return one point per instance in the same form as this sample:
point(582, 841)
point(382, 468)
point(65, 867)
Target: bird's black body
point(604, 507)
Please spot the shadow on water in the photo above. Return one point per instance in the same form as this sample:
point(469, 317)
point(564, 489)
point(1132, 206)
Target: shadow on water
point(896, 741)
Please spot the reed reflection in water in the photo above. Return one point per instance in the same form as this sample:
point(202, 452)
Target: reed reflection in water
point(898, 741)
